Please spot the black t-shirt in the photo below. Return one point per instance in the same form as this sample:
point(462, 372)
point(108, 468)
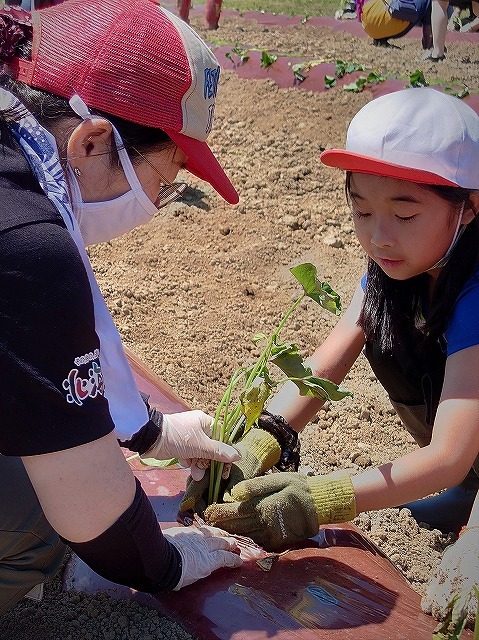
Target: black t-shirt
point(51, 388)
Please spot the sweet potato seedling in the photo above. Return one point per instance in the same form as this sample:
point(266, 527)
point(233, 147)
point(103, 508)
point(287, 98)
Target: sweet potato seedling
point(267, 59)
point(253, 385)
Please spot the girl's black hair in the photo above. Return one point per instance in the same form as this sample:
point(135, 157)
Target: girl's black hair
point(391, 308)
point(48, 108)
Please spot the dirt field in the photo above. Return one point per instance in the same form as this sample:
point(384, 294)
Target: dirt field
point(189, 290)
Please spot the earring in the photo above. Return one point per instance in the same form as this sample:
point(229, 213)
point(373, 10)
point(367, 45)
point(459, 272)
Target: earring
point(77, 172)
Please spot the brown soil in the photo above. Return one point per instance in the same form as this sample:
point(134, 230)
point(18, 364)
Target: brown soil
point(189, 290)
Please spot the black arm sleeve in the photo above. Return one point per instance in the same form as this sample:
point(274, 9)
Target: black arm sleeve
point(146, 437)
point(133, 551)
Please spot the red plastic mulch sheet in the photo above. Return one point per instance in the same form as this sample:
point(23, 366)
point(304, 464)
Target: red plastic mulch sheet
point(336, 585)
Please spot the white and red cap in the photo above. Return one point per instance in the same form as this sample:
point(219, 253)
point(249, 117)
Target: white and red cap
point(420, 135)
point(137, 61)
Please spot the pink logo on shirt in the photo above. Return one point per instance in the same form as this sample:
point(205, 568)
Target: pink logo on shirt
point(79, 389)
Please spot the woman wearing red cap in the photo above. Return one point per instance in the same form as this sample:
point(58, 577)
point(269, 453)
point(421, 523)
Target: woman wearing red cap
point(101, 104)
point(412, 182)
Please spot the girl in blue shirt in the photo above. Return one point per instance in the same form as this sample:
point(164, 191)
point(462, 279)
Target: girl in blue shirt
point(412, 180)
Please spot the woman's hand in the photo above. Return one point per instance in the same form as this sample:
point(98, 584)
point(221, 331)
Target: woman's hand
point(458, 571)
point(187, 436)
point(203, 550)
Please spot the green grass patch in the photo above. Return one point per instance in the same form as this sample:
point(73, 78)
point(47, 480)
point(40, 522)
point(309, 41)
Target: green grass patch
point(288, 7)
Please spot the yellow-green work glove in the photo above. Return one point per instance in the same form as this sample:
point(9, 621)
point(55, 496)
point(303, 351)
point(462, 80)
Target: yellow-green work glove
point(282, 508)
point(259, 452)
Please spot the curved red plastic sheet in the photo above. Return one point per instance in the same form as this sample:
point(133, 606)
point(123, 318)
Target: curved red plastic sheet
point(336, 585)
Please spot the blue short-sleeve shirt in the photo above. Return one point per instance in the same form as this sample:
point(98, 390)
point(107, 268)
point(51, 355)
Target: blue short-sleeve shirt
point(462, 330)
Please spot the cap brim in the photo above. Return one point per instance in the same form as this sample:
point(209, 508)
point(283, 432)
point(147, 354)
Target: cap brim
point(203, 164)
point(358, 163)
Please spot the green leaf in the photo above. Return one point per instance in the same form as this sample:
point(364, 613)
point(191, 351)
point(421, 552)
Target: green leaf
point(340, 68)
point(463, 93)
point(259, 337)
point(330, 81)
point(343, 67)
point(357, 86)
point(352, 86)
point(320, 292)
point(375, 77)
point(237, 51)
point(297, 69)
point(321, 388)
point(253, 401)
point(267, 59)
point(417, 79)
point(287, 358)
point(353, 66)
point(153, 462)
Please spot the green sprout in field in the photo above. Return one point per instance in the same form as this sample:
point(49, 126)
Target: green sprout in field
point(342, 68)
point(236, 51)
point(330, 81)
point(357, 86)
point(233, 419)
point(267, 59)
point(301, 69)
point(417, 79)
point(462, 93)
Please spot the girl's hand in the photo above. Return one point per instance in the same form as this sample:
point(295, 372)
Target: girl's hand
point(284, 508)
point(187, 436)
point(457, 571)
point(203, 550)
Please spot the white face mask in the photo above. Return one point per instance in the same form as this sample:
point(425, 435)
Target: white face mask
point(102, 221)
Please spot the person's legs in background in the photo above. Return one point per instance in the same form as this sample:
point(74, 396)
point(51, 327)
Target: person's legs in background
point(183, 7)
point(212, 13)
point(473, 24)
point(439, 21)
point(30, 550)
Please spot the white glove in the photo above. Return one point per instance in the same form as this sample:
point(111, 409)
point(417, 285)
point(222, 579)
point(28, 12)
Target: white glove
point(187, 436)
point(457, 571)
point(203, 550)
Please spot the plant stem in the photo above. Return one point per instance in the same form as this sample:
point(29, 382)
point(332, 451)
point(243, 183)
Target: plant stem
point(232, 422)
point(287, 315)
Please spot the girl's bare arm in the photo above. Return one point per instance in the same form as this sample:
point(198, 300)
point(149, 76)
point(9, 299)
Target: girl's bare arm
point(332, 360)
point(447, 459)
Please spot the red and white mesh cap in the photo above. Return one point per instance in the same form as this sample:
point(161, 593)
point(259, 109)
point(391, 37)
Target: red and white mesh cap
point(137, 61)
point(420, 135)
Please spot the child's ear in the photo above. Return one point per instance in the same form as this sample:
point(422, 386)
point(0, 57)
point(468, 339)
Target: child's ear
point(91, 137)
